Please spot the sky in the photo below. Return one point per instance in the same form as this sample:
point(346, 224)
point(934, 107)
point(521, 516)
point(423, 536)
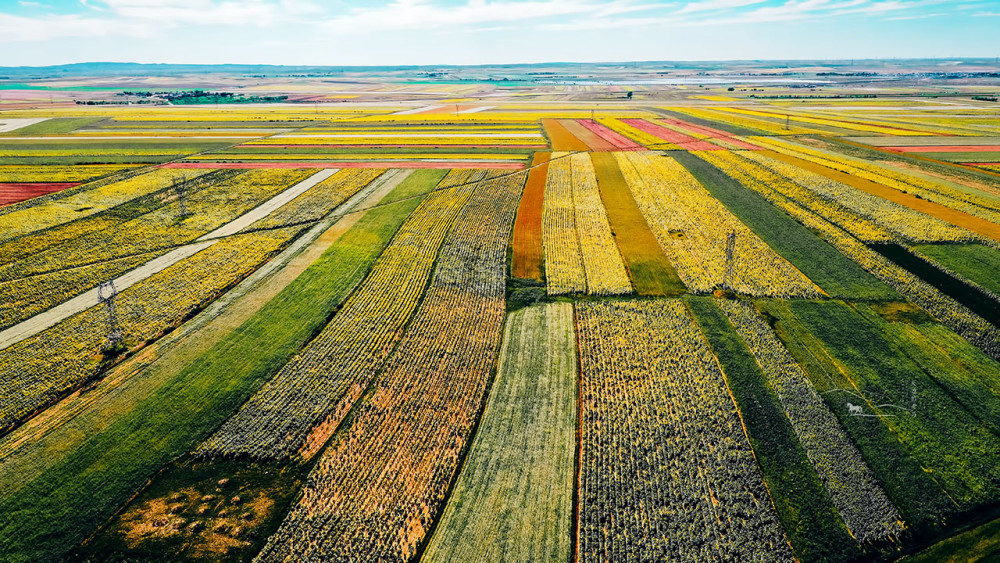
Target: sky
point(401, 32)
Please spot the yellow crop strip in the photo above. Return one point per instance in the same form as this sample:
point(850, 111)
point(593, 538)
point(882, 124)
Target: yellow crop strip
point(564, 271)
point(606, 274)
point(692, 227)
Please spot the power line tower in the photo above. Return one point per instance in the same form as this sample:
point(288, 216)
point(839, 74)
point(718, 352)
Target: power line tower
point(181, 189)
point(107, 294)
point(727, 282)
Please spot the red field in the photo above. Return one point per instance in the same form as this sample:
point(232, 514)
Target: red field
point(350, 164)
point(621, 142)
point(684, 141)
point(947, 148)
point(711, 132)
point(13, 193)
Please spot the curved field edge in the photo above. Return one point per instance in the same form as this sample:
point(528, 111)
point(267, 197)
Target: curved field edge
point(57, 510)
point(514, 498)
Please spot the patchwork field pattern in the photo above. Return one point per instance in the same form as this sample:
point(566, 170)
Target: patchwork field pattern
point(529, 327)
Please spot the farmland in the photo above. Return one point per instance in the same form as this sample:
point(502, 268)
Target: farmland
point(500, 322)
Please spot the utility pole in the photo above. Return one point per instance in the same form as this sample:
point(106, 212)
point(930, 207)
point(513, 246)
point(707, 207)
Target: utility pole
point(181, 189)
point(107, 294)
point(787, 119)
point(727, 283)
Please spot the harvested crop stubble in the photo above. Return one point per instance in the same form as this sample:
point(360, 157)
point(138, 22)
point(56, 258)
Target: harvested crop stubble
point(297, 411)
point(88, 201)
point(666, 471)
point(41, 368)
point(514, 498)
point(376, 490)
point(527, 254)
point(692, 227)
point(860, 500)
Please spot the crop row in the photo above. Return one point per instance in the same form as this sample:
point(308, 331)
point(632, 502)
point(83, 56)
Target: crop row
point(860, 500)
point(962, 200)
point(299, 408)
point(208, 208)
point(39, 369)
point(17, 173)
point(945, 309)
point(666, 470)
point(320, 199)
point(580, 253)
point(692, 227)
point(376, 490)
point(88, 201)
point(869, 217)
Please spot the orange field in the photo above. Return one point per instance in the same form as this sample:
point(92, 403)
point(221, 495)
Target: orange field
point(593, 141)
point(561, 138)
point(527, 256)
point(945, 213)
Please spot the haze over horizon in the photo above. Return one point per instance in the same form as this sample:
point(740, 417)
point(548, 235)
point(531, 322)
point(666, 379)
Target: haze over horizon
point(403, 32)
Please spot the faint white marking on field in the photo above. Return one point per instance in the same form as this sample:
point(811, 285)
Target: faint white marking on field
point(417, 110)
point(8, 125)
point(477, 109)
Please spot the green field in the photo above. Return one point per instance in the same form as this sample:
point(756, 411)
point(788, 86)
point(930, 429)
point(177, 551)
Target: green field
point(513, 500)
point(977, 263)
point(813, 525)
point(932, 455)
point(51, 514)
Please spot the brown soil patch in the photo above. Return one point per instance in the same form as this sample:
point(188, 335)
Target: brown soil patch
point(527, 255)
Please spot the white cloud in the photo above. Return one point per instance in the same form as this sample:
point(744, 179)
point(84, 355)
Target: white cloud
point(16, 29)
point(423, 14)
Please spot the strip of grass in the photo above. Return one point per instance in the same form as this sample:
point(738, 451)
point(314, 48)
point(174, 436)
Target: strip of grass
point(977, 263)
point(823, 264)
point(514, 498)
point(978, 545)
point(416, 184)
point(923, 445)
point(650, 269)
point(56, 511)
point(967, 294)
point(804, 507)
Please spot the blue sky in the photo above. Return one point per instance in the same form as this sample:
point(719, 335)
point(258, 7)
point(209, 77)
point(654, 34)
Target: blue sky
point(40, 32)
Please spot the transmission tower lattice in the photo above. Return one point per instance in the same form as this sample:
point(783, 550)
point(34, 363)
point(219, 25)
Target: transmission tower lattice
point(727, 282)
point(181, 189)
point(106, 294)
